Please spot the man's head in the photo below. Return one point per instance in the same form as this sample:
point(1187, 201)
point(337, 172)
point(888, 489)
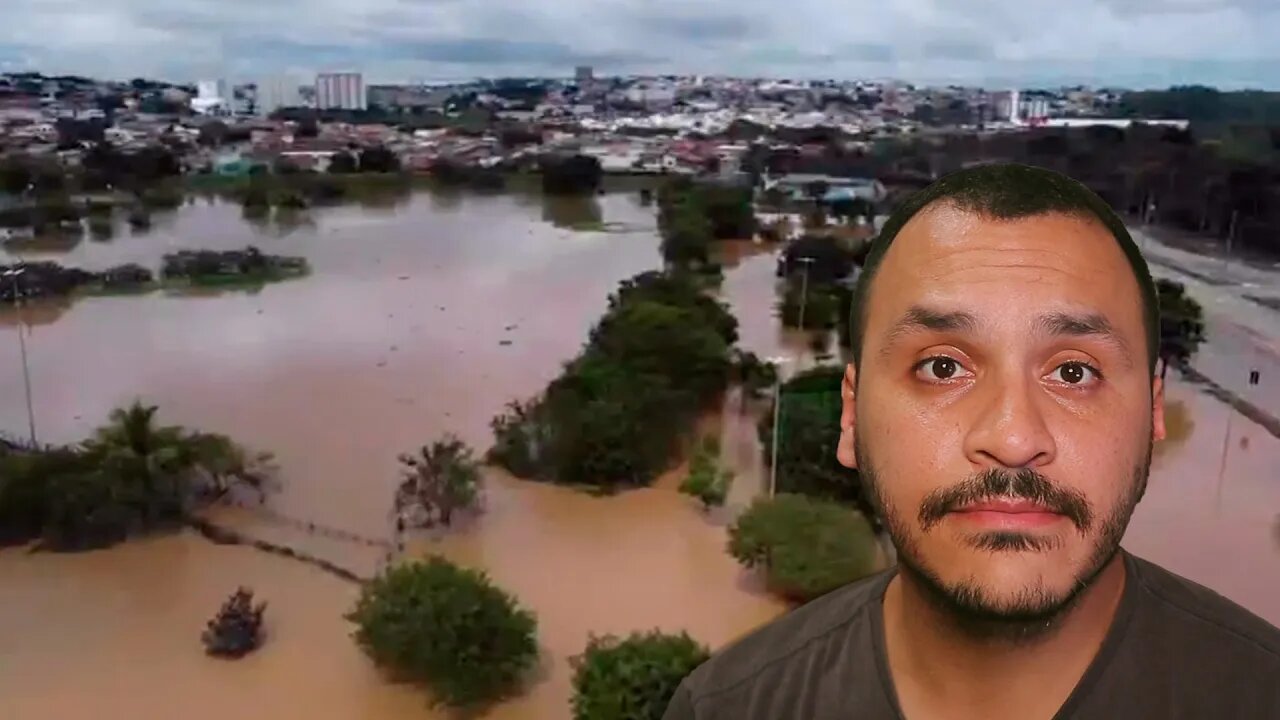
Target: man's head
point(1002, 403)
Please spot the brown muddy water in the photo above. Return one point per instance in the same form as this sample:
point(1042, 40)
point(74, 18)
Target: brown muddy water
point(395, 338)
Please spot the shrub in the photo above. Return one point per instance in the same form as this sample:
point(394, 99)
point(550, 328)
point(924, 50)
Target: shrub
point(807, 547)
point(707, 481)
point(632, 679)
point(447, 627)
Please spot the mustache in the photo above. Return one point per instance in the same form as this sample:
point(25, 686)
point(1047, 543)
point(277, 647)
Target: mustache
point(1000, 484)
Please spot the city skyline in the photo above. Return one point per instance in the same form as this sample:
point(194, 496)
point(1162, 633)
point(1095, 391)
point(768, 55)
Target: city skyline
point(1097, 42)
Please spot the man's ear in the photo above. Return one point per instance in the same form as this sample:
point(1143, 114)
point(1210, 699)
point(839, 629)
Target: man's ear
point(845, 447)
point(1157, 409)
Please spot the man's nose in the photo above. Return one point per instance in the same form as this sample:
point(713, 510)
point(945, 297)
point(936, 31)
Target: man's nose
point(1009, 428)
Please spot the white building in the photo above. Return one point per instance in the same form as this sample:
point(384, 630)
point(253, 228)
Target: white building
point(211, 89)
point(277, 92)
point(341, 91)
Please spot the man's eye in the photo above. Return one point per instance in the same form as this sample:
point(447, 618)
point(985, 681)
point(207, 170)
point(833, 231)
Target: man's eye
point(1076, 373)
point(940, 367)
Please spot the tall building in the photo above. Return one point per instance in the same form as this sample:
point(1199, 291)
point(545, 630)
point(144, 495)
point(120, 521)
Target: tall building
point(341, 91)
point(211, 89)
point(584, 74)
point(277, 92)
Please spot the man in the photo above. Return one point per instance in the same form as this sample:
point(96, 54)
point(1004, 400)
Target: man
point(1001, 409)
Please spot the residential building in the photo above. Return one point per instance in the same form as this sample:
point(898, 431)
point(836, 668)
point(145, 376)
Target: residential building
point(277, 92)
point(341, 91)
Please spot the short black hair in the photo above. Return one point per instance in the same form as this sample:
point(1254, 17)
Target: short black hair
point(1007, 191)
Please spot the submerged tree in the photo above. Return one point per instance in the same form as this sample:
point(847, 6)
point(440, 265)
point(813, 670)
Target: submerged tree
point(448, 627)
point(707, 481)
point(237, 628)
point(439, 480)
point(1181, 324)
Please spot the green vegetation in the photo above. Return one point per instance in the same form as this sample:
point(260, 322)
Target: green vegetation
point(807, 547)
point(132, 477)
point(814, 295)
point(808, 433)
point(692, 215)
point(633, 678)
point(448, 628)
point(617, 413)
point(441, 479)
point(753, 374)
point(210, 267)
point(707, 481)
point(1181, 324)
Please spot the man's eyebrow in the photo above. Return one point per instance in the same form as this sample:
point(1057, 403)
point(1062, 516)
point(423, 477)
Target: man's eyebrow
point(1067, 324)
point(1059, 324)
point(919, 318)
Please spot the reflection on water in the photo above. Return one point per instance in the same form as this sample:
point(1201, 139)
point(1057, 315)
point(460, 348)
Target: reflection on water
point(45, 244)
point(1211, 503)
point(1178, 425)
point(572, 211)
point(395, 338)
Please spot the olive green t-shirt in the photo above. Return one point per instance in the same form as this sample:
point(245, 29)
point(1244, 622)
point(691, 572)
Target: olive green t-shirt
point(1175, 650)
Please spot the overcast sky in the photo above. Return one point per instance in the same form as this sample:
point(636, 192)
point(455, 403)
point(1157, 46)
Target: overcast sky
point(1133, 43)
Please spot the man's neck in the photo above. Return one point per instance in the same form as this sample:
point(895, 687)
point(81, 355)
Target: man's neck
point(940, 669)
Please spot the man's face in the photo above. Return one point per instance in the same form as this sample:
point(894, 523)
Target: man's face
point(1004, 406)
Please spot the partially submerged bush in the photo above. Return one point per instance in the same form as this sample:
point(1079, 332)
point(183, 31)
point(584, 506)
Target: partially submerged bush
point(806, 546)
point(634, 678)
point(447, 627)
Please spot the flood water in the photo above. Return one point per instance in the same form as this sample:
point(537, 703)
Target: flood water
point(395, 338)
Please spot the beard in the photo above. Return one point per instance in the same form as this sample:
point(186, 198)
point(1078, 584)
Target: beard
point(1033, 612)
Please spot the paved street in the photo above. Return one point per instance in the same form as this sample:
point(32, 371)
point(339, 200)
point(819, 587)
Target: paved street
point(1242, 333)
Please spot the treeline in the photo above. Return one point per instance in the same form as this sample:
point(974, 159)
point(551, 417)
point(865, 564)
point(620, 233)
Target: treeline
point(130, 478)
point(1217, 181)
point(49, 279)
point(1204, 105)
point(617, 414)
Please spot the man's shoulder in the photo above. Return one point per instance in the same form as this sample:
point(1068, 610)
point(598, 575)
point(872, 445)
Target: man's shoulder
point(1197, 615)
point(790, 639)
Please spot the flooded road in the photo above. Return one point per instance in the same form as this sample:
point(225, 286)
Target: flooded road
point(396, 337)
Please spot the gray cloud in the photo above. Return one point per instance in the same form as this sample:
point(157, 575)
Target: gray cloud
point(1227, 42)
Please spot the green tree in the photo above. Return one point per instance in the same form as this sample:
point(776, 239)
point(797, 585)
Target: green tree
point(807, 547)
point(439, 480)
point(615, 416)
point(15, 175)
point(1181, 324)
point(632, 678)
point(447, 627)
point(343, 163)
point(379, 160)
point(808, 431)
point(707, 481)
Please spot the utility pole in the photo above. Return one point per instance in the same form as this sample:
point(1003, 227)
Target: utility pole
point(778, 363)
point(804, 288)
point(22, 345)
point(1231, 236)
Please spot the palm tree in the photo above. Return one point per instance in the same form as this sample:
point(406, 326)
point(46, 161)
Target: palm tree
point(146, 465)
point(133, 436)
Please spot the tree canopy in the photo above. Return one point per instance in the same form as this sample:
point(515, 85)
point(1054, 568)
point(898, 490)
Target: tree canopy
point(450, 628)
point(616, 414)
